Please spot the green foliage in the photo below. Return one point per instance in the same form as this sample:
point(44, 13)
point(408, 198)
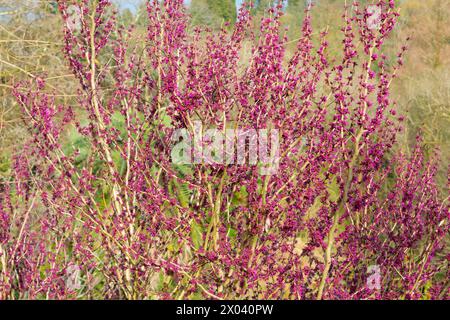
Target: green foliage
point(240, 197)
point(126, 17)
point(213, 12)
point(181, 189)
point(77, 143)
point(182, 192)
point(333, 188)
point(5, 165)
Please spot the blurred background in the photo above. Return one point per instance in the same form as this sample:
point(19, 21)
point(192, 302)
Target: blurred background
point(31, 39)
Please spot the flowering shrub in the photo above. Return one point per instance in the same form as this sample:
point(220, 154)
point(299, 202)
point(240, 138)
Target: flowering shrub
point(96, 191)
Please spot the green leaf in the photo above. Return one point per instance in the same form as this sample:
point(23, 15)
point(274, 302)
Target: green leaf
point(4, 165)
point(312, 211)
point(196, 234)
point(119, 162)
point(240, 197)
point(77, 142)
point(231, 233)
point(183, 170)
